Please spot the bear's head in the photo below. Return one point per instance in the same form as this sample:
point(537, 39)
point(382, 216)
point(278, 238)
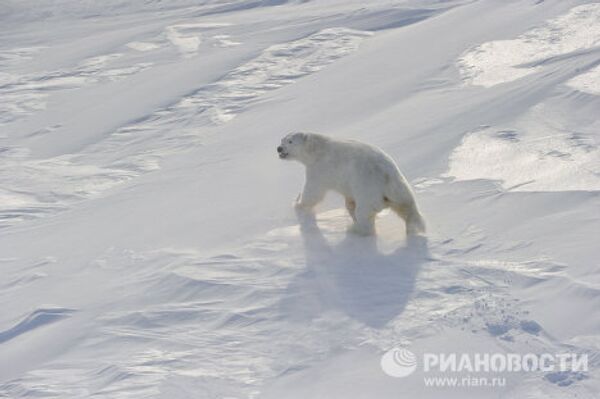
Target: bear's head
point(302, 147)
point(293, 146)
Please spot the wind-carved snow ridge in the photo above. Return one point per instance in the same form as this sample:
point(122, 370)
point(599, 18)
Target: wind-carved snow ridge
point(22, 95)
point(547, 149)
point(140, 145)
point(277, 66)
point(45, 186)
point(588, 82)
point(503, 61)
point(33, 188)
point(540, 153)
point(35, 319)
point(17, 55)
point(187, 37)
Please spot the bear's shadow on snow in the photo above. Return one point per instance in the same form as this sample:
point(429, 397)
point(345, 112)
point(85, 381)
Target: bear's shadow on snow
point(354, 276)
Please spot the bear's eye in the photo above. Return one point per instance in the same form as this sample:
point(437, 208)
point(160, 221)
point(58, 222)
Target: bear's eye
point(290, 141)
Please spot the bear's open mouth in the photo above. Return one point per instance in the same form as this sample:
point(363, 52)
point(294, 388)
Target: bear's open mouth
point(283, 155)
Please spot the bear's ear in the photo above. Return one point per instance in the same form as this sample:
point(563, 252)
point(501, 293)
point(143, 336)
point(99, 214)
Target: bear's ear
point(301, 136)
point(309, 142)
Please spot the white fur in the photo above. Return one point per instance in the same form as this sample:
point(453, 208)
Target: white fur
point(367, 177)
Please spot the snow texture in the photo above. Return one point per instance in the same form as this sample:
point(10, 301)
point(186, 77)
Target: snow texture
point(148, 243)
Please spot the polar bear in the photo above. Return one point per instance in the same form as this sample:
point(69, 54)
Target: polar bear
point(367, 177)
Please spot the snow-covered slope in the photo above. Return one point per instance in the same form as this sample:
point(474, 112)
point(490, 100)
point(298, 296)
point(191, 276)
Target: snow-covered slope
point(148, 243)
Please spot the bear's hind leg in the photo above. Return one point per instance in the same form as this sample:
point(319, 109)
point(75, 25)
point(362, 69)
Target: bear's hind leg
point(412, 218)
point(364, 221)
point(351, 207)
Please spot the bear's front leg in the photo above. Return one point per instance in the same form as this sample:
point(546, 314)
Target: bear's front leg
point(312, 194)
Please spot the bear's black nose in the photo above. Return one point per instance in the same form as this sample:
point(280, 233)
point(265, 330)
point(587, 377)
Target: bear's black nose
point(280, 149)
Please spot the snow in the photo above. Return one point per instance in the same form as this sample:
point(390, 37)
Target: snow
point(148, 242)
point(539, 153)
point(503, 61)
point(587, 82)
